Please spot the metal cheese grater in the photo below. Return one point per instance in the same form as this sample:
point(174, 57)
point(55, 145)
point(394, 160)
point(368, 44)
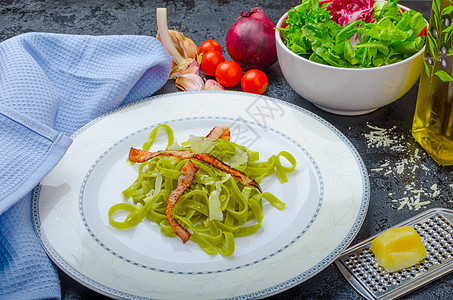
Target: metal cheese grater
point(360, 268)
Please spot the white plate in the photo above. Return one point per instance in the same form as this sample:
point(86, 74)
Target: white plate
point(326, 202)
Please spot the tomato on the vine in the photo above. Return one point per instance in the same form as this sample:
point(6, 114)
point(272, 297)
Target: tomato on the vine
point(208, 46)
point(254, 81)
point(209, 62)
point(228, 73)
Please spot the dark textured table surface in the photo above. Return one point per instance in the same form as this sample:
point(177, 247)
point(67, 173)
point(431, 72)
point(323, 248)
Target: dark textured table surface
point(207, 19)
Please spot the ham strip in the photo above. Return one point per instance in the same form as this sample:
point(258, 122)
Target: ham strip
point(219, 132)
point(185, 179)
point(137, 155)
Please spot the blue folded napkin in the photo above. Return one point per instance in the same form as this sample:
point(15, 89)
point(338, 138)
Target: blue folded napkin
point(51, 85)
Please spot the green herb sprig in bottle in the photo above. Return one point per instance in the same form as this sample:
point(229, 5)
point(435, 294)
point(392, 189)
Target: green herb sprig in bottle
point(432, 127)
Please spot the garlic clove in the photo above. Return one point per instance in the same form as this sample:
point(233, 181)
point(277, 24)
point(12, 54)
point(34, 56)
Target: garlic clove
point(193, 68)
point(189, 82)
point(211, 84)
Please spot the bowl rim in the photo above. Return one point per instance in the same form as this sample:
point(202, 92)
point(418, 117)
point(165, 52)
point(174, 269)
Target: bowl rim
point(279, 41)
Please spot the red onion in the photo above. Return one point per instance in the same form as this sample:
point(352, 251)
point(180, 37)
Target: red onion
point(250, 41)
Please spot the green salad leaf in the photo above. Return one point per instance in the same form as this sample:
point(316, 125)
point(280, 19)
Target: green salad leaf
point(393, 36)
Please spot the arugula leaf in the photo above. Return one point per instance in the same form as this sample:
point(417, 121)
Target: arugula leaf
point(412, 20)
point(408, 46)
point(386, 30)
point(387, 9)
point(348, 31)
point(349, 53)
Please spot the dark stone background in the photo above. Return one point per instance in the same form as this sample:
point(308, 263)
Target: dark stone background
point(209, 19)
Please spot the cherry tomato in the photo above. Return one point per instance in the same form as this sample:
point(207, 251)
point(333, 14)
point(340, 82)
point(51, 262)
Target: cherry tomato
point(254, 81)
point(209, 45)
point(228, 73)
point(209, 62)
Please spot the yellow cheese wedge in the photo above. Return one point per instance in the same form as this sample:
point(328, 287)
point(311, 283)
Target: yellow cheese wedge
point(398, 248)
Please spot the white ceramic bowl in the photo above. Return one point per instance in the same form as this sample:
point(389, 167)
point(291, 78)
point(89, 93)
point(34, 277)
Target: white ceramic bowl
point(347, 91)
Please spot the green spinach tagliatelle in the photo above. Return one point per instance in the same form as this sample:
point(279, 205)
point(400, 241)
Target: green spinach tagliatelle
point(216, 208)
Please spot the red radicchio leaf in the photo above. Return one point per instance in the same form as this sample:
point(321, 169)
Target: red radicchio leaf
point(348, 11)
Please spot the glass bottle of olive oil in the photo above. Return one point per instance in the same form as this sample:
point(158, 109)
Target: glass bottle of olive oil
point(433, 120)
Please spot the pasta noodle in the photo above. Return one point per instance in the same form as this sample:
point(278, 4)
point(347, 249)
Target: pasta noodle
point(216, 207)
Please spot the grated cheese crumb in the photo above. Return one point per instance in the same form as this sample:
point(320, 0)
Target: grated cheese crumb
point(436, 191)
point(418, 191)
point(408, 168)
point(381, 137)
point(400, 166)
point(403, 202)
point(413, 202)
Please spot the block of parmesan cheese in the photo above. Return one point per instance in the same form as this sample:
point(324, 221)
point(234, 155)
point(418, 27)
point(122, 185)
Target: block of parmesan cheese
point(398, 248)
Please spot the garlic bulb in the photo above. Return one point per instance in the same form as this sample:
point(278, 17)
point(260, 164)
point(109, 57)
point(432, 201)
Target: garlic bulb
point(182, 50)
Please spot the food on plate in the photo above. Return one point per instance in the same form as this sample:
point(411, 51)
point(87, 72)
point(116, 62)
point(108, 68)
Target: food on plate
point(184, 180)
point(398, 248)
point(250, 41)
point(140, 156)
point(354, 33)
point(206, 190)
point(219, 132)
